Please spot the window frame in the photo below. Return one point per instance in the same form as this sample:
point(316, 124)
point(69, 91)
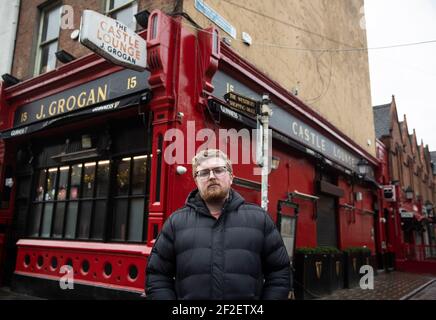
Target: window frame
point(110, 12)
point(109, 199)
point(41, 45)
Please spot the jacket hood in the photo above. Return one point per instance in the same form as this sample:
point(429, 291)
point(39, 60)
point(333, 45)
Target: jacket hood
point(195, 201)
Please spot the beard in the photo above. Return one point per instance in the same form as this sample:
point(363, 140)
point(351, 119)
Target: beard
point(215, 194)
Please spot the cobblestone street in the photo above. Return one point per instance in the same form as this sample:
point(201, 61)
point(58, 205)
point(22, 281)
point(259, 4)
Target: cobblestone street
point(392, 286)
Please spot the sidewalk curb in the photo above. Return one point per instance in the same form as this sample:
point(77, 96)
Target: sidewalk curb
point(412, 293)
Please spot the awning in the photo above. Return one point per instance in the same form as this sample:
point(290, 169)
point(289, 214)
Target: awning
point(98, 109)
point(373, 182)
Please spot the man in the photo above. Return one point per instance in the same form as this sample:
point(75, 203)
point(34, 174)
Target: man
point(217, 246)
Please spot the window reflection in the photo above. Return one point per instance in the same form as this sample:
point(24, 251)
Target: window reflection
point(88, 180)
point(124, 11)
point(123, 177)
point(51, 183)
point(40, 185)
point(139, 174)
point(63, 181)
point(119, 232)
point(70, 228)
point(76, 175)
point(136, 219)
point(102, 178)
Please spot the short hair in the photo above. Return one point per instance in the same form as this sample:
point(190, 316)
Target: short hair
point(208, 154)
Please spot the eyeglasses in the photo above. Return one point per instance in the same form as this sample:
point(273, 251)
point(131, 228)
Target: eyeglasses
point(204, 174)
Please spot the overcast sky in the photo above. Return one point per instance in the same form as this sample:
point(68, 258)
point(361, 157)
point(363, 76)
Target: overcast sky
point(409, 73)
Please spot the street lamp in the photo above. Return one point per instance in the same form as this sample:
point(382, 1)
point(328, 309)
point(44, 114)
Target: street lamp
point(275, 162)
point(409, 193)
point(363, 167)
point(428, 206)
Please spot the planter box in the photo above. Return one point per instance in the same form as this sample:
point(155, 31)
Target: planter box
point(312, 275)
point(337, 271)
point(352, 264)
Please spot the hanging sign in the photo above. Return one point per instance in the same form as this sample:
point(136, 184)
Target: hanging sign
point(113, 40)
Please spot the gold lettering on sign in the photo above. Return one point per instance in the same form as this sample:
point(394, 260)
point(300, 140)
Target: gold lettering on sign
point(91, 98)
point(61, 104)
point(52, 108)
point(69, 103)
point(24, 117)
point(102, 94)
point(41, 113)
point(81, 102)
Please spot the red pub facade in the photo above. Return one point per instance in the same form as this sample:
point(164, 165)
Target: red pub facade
point(88, 153)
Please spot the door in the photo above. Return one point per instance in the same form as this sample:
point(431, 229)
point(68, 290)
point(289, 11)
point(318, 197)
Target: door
point(326, 221)
point(18, 228)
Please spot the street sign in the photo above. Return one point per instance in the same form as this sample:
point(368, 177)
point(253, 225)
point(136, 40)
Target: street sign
point(242, 104)
point(389, 193)
point(113, 40)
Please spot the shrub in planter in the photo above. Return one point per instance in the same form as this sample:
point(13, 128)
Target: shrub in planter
point(313, 272)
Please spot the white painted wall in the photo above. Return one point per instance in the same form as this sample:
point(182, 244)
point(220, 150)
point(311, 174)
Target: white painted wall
point(9, 19)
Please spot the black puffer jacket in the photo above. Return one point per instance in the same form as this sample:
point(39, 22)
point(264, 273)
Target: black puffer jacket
point(239, 256)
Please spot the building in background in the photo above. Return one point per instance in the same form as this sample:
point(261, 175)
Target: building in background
point(87, 184)
point(9, 11)
point(409, 186)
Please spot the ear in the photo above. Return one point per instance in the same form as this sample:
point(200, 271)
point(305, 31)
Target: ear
point(196, 183)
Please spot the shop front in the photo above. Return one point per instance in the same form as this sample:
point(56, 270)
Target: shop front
point(78, 157)
point(91, 183)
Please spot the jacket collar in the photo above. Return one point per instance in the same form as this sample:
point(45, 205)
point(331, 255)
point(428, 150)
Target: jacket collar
point(197, 203)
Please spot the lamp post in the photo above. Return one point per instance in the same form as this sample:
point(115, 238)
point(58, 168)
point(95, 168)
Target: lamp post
point(265, 114)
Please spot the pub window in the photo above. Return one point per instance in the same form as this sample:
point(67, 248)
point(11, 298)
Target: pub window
point(123, 11)
point(48, 39)
point(129, 198)
point(71, 201)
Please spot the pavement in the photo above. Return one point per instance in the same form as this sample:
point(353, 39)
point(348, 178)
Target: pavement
point(7, 294)
point(427, 293)
point(392, 286)
point(387, 286)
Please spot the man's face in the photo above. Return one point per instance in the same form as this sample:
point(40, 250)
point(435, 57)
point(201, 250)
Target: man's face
point(212, 188)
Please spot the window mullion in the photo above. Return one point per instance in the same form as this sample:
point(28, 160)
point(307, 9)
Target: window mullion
point(67, 201)
point(129, 194)
point(79, 201)
point(111, 200)
point(54, 208)
point(41, 216)
point(94, 195)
